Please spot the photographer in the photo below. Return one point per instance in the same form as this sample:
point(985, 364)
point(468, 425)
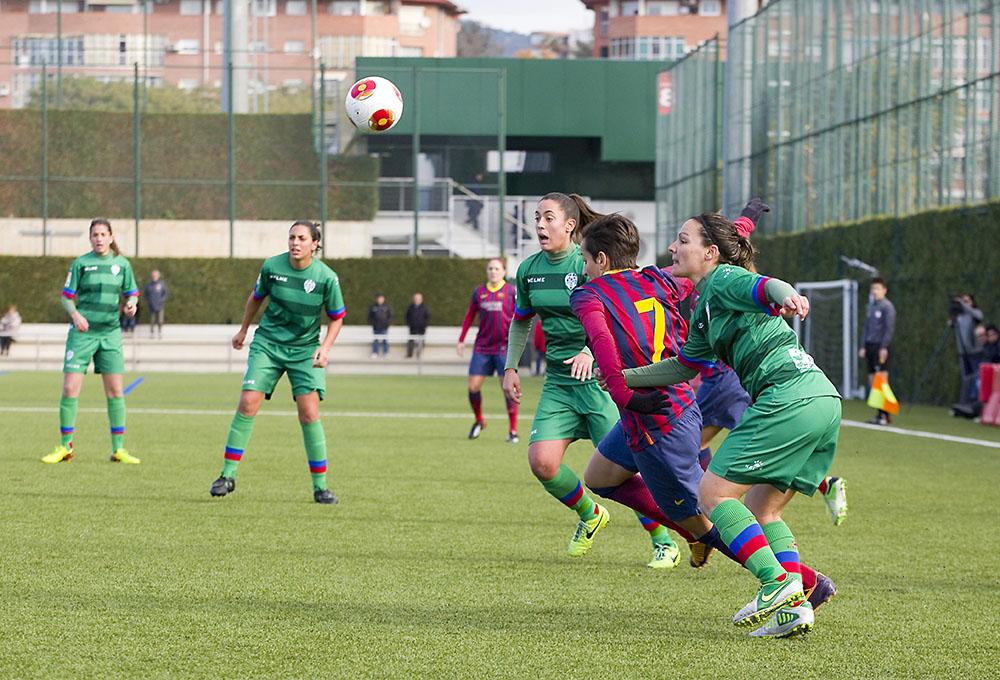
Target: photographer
point(880, 325)
point(965, 316)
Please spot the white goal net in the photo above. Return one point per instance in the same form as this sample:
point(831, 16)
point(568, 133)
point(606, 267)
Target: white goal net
point(830, 332)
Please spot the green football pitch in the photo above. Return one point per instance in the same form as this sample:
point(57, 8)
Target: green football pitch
point(445, 558)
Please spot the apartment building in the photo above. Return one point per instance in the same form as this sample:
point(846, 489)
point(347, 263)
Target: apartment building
point(654, 30)
point(179, 42)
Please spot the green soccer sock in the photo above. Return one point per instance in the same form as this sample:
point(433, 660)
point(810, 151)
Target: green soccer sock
point(741, 532)
point(315, 440)
point(783, 545)
point(116, 416)
point(67, 419)
point(566, 487)
point(236, 442)
point(657, 532)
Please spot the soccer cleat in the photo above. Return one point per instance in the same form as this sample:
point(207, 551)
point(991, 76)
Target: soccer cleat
point(822, 592)
point(512, 438)
point(665, 556)
point(795, 619)
point(477, 428)
point(60, 454)
point(222, 486)
point(836, 499)
point(586, 530)
point(699, 554)
point(325, 496)
point(770, 597)
point(123, 456)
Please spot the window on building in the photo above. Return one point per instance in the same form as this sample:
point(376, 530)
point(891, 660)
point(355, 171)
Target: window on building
point(294, 47)
point(630, 8)
point(190, 8)
point(602, 21)
point(220, 7)
point(403, 51)
point(295, 8)
point(293, 83)
point(258, 46)
point(348, 8)
point(264, 8)
point(188, 84)
point(52, 7)
point(36, 51)
point(187, 46)
point(662, 8)
point(710, 8)
point(126, 9)
point(412, 20)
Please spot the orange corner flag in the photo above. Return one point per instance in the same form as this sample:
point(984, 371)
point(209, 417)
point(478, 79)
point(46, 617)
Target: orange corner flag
point(881, 396)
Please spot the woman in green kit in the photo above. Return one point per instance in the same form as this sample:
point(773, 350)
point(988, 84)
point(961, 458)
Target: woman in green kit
point(572, 405)
point(91, 294)
point(786, 440)
point(301, 288)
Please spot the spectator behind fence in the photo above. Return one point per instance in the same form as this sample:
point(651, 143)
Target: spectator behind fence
point(538, 342)
point(380, 316)
point(880, 326)
point(965, 316)
point(417, 318)
point(155, 295)
point(127, 322)
point(991, 350)
point(10, 324)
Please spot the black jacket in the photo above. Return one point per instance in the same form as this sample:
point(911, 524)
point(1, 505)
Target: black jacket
point(380, 316)
point(417, 318)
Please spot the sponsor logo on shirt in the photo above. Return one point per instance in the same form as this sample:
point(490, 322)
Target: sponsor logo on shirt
point(803, 361)
point(571, 280)
point(90, 269)
point(309, 285)
point(536, 279)
point(275, 277)
point(756, 465)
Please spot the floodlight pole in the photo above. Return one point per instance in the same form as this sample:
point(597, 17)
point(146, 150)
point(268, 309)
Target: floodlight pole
point(322, 154)
point(136, 154)
point(59, 54)
point(501, 148)
point(416, 162)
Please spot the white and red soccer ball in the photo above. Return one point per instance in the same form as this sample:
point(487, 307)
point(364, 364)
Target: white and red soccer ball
point(374, 104)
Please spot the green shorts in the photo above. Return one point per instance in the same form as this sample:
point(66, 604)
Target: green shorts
point(580, 411)
point(268, 361)
point(104, 347)
point(787, 445)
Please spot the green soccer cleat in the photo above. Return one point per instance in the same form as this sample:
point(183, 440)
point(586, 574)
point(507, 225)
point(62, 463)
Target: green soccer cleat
point(123, 456)
point(665, 556)
point(836, 499)
point(60, 454)
point(795, 619)
point(771, 597)
point(585, 532)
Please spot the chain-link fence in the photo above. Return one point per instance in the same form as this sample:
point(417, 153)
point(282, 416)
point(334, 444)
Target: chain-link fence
point(835, 111)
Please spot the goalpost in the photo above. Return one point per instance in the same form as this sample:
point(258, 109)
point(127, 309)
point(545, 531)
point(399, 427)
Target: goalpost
point(830, 332)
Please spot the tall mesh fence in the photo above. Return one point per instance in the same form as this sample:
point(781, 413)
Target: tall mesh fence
point(836, 111)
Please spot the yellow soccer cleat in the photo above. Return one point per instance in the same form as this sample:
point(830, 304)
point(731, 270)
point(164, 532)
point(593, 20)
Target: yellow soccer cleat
point(123, 456)
point(699, 554)
point(665, 556)
point(585, 532)
point(60, 454)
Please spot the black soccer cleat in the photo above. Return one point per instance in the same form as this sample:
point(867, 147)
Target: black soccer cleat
point(222, 486)
point(477, 429)
point(325, 496)
point(822, 592)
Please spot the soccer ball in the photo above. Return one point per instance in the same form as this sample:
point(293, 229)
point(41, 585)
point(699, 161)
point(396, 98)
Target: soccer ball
point(374, 104)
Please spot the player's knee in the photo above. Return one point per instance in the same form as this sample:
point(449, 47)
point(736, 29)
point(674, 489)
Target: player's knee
point(544, 469)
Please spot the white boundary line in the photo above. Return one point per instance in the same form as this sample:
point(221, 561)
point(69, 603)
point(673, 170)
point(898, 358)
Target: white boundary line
point(462, 416)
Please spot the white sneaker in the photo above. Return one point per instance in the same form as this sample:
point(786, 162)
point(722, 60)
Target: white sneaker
point(787, 622)
point(836, 499)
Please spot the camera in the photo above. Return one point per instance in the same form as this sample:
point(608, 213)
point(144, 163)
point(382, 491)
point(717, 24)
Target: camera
point(954, 307)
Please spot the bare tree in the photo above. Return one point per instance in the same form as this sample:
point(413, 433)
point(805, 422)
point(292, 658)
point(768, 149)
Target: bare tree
point(475, 40)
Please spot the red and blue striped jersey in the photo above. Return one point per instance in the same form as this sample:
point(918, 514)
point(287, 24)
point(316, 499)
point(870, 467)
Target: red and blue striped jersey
point(631, 320)
point(495, 309)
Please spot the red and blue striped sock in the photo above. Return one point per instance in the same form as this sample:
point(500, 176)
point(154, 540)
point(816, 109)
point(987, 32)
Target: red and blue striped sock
point(568, 489)
point(783, 545)
point(116, 416)
point(704, 458)
point(745, 538)
point(67, 420)
point(476, 402)
point(658, 533)
point(236, 442)
point(315, 441)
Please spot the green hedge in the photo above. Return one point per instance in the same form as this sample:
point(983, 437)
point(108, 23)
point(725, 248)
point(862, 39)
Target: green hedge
point(926, 259)
point(204, 290)
point(187, 154)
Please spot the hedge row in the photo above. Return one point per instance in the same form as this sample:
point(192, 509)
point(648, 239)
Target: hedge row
point(189, 150)
point(926, 260)
point(214, 290)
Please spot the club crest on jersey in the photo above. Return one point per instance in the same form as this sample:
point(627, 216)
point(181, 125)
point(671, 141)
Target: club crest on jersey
point(115, 269)
point(69, 355)
point(571, 280)
point(309, 285)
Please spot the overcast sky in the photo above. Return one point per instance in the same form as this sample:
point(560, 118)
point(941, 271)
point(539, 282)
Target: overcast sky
point(525, 16)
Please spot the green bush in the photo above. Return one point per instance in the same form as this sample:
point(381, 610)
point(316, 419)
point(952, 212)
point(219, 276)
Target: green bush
point(926, 259)
point(184, 167)
point(214, 290)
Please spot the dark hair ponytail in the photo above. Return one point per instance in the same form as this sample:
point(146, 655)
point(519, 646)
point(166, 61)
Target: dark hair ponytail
point(98, 221)
point(733, 249)
point(575, 208)
point(314, 231)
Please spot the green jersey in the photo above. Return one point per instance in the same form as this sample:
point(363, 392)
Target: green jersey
point(544, 284)
point(95, 284)
point(735, 322)
point(298, 297)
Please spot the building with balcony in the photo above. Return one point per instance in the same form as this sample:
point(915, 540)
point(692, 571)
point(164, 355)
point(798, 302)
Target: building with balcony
point(180, 42)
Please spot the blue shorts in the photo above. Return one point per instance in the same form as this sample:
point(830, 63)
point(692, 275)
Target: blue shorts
point(669, 466)
point(487, 364)
point(722, 400)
